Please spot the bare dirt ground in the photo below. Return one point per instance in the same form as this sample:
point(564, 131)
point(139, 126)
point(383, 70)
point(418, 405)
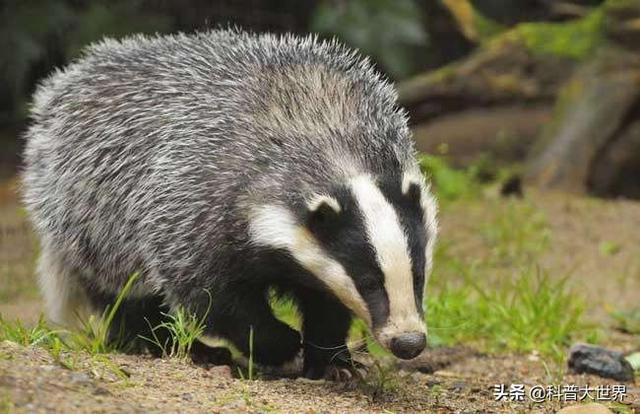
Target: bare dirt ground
point(595, 243)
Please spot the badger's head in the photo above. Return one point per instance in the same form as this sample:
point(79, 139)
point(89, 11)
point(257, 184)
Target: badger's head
point(369, 240)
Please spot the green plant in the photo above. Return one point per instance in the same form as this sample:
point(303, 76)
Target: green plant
point(532, 312)
point(250, 363)
point(61, 355)
point(609, 248)
point(628, 321)
point(285, 309)
point(94, 337)
point(449, 183)
point(102, 364)
point(250, 367)
point(39, 334)
point(380, 380)
point(183, 328)
point(517, 234)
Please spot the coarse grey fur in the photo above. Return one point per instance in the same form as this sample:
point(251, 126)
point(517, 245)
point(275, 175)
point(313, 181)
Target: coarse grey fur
point(147, 154)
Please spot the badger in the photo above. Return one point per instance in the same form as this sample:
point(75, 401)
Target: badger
point(224, 165)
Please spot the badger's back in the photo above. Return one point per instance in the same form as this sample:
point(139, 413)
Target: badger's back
point(145, 153)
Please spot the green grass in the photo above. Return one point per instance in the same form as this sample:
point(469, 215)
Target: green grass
point(532, 312)
point(628, 320)
point(498, 297)
point(183, 329)
point(517, 234)
point(250, 369)
point(94, 338)
point(95, 341)
point(609, 248)
point(285, 309)
point(381, 380)
point(450, 184)
point(15, 331)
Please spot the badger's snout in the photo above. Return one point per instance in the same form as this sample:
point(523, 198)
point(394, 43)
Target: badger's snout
point(408, 345)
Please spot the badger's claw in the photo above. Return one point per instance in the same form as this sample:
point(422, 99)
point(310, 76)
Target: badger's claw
point(346, 372)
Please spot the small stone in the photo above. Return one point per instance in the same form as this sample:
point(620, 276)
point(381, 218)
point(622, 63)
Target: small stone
point(458, 386)
point(590, 359)
point(591, 408)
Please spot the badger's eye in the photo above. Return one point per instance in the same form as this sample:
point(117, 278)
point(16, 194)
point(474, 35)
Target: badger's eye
point(370, 283)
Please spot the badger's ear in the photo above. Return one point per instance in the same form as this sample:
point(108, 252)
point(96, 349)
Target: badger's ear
point(411, 188)
point(322, 208)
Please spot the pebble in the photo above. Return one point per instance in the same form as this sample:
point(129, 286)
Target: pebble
point(458, 386)
point(591, 408)
point(591, 359)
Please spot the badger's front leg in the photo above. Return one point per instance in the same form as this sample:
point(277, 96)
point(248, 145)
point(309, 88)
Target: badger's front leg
point(325, 327)
point(274, 342)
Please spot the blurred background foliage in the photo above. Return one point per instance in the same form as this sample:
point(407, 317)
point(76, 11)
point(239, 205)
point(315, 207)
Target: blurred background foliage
point(404, 37)
point(483, 78)
point(399, 50)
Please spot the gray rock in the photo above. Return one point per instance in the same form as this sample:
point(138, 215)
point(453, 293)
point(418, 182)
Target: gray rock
point(590, 359)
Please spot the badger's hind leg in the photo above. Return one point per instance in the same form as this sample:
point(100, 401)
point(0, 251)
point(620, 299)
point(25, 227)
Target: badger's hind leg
point(65, 299)
point(137, 325)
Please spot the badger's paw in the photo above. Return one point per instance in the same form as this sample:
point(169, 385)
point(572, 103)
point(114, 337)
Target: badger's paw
point(204, 355)
point(289, 369)
point(339, 371)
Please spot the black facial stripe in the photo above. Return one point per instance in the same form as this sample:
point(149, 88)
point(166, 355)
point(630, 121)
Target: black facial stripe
point(410, 214)
point(344, 238)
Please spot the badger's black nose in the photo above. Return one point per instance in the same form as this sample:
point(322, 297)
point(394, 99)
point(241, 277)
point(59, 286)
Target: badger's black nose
point(408, 345)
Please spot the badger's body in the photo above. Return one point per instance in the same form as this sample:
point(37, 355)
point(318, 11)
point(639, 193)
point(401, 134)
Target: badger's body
point(219, 165)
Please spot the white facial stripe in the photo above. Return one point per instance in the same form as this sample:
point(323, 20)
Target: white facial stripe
point(274, 226)
point(385, 234)
point(429, 212)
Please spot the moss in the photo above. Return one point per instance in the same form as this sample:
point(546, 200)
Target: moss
point(575, 40)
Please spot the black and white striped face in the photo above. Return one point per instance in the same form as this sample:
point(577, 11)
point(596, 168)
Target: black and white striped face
point(370, 242)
